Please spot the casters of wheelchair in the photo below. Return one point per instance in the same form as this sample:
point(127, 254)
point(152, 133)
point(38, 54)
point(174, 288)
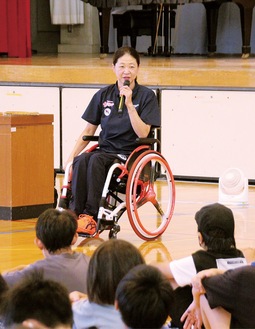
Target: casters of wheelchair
point(114, 231)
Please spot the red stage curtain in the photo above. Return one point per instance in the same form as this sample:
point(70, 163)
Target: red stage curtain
point(15, 29)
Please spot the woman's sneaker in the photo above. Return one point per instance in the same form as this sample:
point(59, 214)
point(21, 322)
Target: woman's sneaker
point(86, 224)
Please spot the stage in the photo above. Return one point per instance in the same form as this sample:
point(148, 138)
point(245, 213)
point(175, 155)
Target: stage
point(95, 69)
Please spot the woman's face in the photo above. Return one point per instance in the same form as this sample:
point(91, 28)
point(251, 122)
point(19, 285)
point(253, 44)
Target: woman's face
point(126, 68)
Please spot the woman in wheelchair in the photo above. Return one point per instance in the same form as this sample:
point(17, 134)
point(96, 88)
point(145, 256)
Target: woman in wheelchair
point(125, 111)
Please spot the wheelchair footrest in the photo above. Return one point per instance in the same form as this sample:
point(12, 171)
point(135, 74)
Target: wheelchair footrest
point(105, 224)
point(87, 235)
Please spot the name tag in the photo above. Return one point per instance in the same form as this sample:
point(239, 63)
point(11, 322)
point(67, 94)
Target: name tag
point(230, 263)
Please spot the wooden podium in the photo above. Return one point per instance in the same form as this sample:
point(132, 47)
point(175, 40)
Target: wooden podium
point(26, 165)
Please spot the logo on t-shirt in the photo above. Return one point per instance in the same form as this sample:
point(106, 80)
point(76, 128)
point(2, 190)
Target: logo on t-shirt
point(229, 263)
point(107, 111)
point(107, 107)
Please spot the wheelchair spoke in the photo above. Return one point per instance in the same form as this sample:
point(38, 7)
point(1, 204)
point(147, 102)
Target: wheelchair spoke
point(148, 195)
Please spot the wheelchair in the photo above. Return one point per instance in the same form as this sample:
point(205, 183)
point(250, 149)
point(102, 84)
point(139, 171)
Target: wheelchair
point(143, 185)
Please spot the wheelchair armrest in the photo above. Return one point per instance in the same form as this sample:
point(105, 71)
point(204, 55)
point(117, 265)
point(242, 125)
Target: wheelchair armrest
point(140, 141)
point(90, 138)
point(147, 141)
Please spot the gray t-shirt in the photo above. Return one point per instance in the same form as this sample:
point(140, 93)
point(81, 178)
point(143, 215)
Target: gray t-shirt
point(67, 269)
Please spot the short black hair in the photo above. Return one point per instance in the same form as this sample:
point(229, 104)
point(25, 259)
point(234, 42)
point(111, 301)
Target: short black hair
point(145, 297)
point(56, 228)
point(46, 301)
point(126, 50)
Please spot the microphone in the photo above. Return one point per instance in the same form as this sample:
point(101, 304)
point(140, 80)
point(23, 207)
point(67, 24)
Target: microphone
point(122, 98)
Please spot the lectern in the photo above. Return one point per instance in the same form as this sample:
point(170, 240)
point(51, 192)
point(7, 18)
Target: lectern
point(26, 165)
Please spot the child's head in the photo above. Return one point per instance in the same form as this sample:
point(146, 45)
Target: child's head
point(56, 229)
point(35, 298)
point(144, 298)
point(108, 265)
point(216, 224)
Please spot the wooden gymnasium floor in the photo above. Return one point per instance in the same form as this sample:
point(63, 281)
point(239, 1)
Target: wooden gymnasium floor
point(17, 237)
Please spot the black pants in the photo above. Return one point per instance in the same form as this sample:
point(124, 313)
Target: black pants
point(183, 298)
point(88, 178)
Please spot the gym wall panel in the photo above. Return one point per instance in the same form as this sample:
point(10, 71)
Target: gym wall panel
point(205, 132)
point(74, 103)
point(44, 100)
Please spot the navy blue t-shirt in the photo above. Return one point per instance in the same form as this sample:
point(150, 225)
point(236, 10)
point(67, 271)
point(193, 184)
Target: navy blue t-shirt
point(117, 134)
point(234, 291)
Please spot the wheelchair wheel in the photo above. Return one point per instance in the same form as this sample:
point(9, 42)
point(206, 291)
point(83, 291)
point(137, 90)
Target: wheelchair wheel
point(150, 195)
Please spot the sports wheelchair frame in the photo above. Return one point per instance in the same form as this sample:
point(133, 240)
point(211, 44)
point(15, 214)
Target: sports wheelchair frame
point(143, 186)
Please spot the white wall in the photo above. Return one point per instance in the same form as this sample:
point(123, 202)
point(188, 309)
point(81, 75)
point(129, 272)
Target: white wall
point(206, 132)
point(74, 103)
point(44, 100)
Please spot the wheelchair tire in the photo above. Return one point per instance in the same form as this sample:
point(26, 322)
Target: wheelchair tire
point(150, 195)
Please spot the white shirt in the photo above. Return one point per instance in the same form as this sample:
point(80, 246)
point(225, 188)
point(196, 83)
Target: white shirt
point(184, 269)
